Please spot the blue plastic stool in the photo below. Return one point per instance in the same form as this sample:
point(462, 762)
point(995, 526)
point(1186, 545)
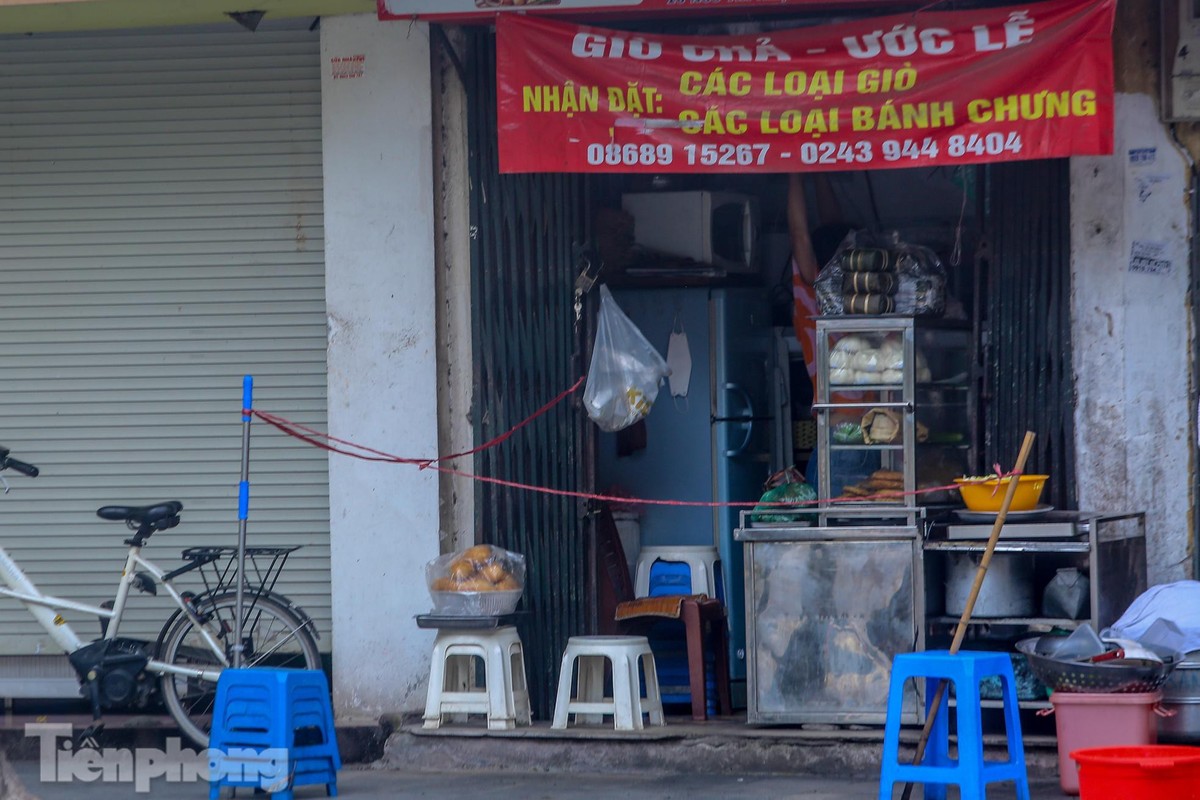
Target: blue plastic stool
point(273, 730)
point(669, 644)
point(970, 772)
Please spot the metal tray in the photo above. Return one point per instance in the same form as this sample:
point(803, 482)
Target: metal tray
point(461, 622)
point(966, 515)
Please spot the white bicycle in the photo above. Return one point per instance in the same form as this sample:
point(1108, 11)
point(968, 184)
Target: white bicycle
point(197, 641)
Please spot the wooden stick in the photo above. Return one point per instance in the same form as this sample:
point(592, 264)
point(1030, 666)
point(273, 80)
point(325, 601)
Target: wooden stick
point(961, 631)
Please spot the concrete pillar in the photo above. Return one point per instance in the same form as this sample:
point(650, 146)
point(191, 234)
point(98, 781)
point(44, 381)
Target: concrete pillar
point(379, 257)
point(456, 431)
point(1131, 332)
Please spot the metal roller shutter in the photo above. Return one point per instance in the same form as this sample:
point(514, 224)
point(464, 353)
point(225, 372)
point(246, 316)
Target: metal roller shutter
point(160, 237)
point(1029, 382)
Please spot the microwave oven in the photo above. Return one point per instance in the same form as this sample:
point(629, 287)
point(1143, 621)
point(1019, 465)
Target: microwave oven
point(717, 229)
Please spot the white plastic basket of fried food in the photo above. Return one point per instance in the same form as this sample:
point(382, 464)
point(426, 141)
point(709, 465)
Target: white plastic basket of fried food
point(481, 581)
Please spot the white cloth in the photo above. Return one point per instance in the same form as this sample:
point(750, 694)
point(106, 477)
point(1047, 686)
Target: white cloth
point(679, 361)
point(1178, 603)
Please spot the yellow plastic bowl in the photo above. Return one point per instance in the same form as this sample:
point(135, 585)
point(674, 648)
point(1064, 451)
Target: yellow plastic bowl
point(982, 494)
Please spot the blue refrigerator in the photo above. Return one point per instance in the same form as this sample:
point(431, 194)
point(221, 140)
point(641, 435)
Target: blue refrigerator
point(715, 443)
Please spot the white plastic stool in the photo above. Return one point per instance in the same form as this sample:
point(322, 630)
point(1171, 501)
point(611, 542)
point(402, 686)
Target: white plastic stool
point(702, 561)
point(504, 698)
point(627, 705)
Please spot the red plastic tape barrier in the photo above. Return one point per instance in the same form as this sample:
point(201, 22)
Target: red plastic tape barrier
point(950, 87)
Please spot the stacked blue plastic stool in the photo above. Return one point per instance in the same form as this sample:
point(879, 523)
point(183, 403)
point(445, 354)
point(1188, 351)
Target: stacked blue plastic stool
point(669, 643)
point(273, 730)
point(970, 772)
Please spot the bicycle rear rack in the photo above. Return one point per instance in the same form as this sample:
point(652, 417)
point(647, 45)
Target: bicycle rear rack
point(218, 567)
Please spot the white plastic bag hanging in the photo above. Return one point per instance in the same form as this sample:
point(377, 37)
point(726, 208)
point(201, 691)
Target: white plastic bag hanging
point(625, 372)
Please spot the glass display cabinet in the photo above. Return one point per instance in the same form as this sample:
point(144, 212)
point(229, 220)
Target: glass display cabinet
point(895, 408)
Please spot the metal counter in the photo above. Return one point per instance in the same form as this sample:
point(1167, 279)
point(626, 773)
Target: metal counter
point(827, 609)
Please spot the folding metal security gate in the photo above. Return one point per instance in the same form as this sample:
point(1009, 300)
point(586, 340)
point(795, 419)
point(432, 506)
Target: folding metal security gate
point(1026, 338)
point(527, 350)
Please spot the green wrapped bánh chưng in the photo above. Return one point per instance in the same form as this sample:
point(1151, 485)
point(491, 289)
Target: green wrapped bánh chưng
point(846, 433)
point(797, 492)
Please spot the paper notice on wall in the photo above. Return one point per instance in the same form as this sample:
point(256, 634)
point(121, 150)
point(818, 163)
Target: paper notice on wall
point(348, 67)
point(1150, 258)
point(1142, 156)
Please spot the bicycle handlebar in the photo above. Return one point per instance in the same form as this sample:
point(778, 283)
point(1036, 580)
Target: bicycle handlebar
point(19, 466)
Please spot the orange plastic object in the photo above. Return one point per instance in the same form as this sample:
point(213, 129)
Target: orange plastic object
point(987, 494)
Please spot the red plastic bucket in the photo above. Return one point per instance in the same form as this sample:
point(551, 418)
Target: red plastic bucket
point(1148, 772)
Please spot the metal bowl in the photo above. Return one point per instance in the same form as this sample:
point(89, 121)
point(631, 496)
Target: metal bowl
point(1184, 682)
point(1105, 677)
point(1183, 725)
point(1181, 694)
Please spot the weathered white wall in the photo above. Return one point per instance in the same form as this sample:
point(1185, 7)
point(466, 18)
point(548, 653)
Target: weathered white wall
point(1132, 338)
point(379, 255)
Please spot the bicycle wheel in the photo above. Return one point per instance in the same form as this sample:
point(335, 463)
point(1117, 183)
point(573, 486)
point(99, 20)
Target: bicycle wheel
point(273, 636)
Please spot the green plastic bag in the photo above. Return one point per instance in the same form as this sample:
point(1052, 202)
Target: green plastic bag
point(786, 486)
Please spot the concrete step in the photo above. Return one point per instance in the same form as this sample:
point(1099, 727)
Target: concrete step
point(720, 746)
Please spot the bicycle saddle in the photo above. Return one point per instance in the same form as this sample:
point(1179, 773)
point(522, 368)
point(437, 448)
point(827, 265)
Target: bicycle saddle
point(159, 516)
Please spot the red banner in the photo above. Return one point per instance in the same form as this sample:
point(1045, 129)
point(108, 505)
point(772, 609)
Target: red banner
point(952, 87)
point(465, 10)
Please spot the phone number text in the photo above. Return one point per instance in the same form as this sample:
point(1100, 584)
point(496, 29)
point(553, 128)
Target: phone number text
point(810, 153)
